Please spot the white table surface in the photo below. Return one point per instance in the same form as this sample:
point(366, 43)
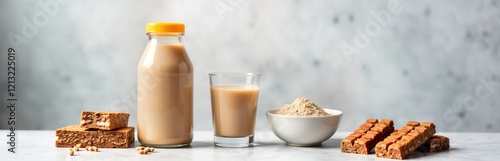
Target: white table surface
point(39, 145)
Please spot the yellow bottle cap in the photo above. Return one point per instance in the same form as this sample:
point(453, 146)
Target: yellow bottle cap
point(165, 27)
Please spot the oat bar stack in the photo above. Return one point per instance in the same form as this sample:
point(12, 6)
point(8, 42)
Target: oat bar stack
point(100, 129)
point(403, 142)
point(364, 139)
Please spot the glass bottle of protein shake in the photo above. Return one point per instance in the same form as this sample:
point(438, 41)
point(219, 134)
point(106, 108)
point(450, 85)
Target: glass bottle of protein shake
point(165, 88)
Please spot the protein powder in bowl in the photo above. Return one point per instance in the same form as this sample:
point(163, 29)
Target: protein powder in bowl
point(303, 123)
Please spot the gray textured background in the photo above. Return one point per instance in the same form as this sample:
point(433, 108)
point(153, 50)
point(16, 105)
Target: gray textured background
point(424, 64)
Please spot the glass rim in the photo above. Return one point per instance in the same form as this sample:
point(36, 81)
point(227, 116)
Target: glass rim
point(234, 74)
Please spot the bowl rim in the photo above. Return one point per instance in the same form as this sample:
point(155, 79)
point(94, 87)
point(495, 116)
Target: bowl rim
point(334, 114)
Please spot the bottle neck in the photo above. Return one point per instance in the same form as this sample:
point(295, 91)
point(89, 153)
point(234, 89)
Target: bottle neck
point(174, 38)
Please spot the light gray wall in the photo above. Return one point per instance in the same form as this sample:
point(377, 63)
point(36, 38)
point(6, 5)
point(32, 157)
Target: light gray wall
point(421, 64)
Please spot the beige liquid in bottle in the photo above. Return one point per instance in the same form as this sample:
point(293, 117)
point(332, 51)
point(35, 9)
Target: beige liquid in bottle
point(234, 108)
point(165, 86)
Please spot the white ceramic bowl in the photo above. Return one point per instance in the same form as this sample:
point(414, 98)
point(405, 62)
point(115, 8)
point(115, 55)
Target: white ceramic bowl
point(304, 130)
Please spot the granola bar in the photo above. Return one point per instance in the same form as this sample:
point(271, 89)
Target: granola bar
point(364, 139)
point(74, 134)
point(104, 120)
point(401, 143)
point(436, 143)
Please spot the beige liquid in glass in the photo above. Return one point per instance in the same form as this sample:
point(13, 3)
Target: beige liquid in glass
point(165, 86)
point(233, 109)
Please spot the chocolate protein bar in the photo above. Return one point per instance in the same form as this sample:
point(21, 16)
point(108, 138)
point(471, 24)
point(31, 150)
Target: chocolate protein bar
point(401, 143)
point(364, 139)
point(74, 134)
point(435, 143)
point(104, 120)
